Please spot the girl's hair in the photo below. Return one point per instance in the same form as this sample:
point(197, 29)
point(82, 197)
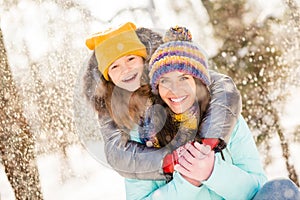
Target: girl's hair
point(108, 99)
point(126, 107)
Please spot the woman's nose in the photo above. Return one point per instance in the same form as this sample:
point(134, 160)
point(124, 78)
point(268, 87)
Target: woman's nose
point(174, 87)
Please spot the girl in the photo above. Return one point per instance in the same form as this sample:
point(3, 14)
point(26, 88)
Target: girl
point(116, 84)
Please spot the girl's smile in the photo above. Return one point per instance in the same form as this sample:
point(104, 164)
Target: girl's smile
point(130, 78)
point(126, 72)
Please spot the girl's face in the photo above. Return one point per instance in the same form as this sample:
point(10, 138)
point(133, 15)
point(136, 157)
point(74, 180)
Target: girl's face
point(126, 72)
point(177, 90)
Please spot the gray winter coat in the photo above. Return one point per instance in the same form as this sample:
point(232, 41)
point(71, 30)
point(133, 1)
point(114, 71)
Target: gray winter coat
point(134, 160)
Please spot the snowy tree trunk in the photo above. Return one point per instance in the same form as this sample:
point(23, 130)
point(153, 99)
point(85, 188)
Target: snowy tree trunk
point(16, 140)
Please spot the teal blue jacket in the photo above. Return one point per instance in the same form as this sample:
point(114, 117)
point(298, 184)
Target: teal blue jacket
point(240, 176)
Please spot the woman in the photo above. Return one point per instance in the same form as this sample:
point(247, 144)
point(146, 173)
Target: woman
point(178, 72)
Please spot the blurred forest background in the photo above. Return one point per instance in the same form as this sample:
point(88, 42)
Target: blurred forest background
point(43, 54)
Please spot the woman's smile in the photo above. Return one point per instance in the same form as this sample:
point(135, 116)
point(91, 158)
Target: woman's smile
point(178, 90)
point(178, 100)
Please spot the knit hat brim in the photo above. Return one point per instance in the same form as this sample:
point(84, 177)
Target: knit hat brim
point(198, 72)
point(116, 47)
point(180, 56)
point(113, 44)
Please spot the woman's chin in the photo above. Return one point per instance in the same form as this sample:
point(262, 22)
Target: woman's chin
point(177, 110)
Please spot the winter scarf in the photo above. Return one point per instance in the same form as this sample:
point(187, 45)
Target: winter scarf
point(160, 125)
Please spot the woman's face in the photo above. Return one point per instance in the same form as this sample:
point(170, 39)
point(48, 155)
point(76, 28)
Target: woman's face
point(126, 72)
point(177, 90)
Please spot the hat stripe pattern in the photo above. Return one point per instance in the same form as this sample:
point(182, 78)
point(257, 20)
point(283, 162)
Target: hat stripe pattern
point(183, 56)
point(181, 53)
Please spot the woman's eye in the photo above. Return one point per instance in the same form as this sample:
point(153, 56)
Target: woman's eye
point(165, 83)
point(184, 78)
point(162, 81)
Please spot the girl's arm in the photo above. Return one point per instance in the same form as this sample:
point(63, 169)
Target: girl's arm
point(132, 159)
point(224, 108)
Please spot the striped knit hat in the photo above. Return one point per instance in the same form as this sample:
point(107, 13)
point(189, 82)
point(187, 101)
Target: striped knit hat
point(178, 53)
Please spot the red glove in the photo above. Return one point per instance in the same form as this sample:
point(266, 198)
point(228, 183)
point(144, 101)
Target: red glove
point(212, 142)
point(170, 160)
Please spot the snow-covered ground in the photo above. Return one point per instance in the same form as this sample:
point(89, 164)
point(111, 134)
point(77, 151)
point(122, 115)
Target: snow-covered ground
point(81, 177)
point(85, 178)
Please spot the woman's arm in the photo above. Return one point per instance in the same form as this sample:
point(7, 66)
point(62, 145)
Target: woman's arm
point(176, 189)
point(240, 176)
point(246, 171)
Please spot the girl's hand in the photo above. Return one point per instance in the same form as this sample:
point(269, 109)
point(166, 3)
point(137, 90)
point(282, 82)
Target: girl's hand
point(196, 163)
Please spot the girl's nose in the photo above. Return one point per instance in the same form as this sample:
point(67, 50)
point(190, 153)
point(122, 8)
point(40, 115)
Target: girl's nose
point(126, 66)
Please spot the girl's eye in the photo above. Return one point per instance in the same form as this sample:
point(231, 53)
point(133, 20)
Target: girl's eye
point(113, 67)
point(131, 58)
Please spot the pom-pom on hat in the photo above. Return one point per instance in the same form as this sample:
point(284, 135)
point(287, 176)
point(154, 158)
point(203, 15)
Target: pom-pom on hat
point(112, 44)
point(178, 53)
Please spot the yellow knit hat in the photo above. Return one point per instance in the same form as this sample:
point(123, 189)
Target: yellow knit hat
point(112, 44)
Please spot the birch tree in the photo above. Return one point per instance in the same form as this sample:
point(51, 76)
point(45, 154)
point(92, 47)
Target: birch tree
point(17, 142)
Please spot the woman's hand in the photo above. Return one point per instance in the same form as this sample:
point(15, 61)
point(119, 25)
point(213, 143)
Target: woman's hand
point(196, 163)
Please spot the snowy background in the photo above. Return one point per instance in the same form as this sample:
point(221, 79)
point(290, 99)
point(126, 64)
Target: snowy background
point(84, 176)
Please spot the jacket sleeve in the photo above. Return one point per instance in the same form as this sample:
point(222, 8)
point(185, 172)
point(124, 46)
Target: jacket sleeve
point(124, 156)
point(224, 108)
point(132, 159)
point(245, 176)
point(178, 188)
